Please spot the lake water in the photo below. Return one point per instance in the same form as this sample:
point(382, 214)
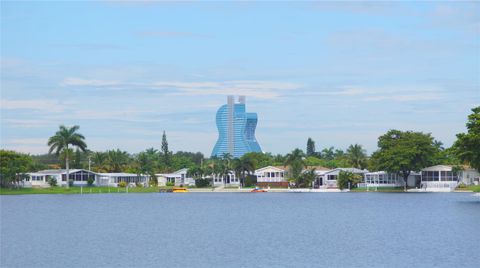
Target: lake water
point(241, 230)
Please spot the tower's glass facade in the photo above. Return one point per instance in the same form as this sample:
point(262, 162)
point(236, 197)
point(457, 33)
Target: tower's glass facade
point(236, 129)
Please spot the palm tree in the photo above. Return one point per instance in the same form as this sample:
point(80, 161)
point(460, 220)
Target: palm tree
point(62, 139)
point(117, 160)
point(99, 159)
point(296, 161)
point(247, 166)
point(356, 156)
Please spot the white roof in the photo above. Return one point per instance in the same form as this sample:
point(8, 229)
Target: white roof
point(183, 170)
point(353, 170)
point(58, 171)
point(169, 175)
point(120, 174)
point(269, 168)
point(438, 168)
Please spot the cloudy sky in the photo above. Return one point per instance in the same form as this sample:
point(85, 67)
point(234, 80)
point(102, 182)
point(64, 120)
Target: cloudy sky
point(341, 73)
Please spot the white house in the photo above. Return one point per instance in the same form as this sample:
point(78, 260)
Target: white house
point(41, 178)
point(178, 178)
point(445, 177)
point(229, 180)
point(271, 176)
point(112, 179)
point(385, 179)
point(329, 178)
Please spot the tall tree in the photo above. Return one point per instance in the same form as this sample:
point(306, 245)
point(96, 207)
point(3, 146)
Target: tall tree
point(165, 151)
point(357, 156)
point(12, 165)
point(467, 146)
point(402, 152)
point(310, 147)
point(61, 141)
point(296, 162)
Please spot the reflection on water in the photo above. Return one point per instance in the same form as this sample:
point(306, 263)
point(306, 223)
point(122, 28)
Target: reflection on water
point(240, 230)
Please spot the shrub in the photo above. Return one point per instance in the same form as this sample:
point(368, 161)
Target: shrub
point(461, 185)
point(52, 182)
point(170, 184)
point(201, 183)
point(122, 184)
point(345, 178)
point(138, 184)
point(90, 181)
point(70, 182)
point(250, 181)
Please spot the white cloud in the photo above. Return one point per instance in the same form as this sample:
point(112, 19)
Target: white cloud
point(72, 81)
point(405, 97)
point(252, 88)
point(38, 105)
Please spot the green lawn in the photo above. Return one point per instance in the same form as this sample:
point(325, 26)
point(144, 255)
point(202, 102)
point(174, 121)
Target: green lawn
point(380, 189)
point(78, 190)
point(474, 188)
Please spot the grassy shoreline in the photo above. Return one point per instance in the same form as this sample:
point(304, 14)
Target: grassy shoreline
point(79, 190)
point(115, 190)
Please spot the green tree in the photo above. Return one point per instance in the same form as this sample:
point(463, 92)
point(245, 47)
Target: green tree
point(117, 160)
point(165, 152)
point(328, 153)
point(356, 156)
point(296, 162)
point(402, 152)
point(306, 178)
point(467, 146)
point(348, 179)
point(310, 147)
point(13, 166)
point(99, 160)
point(61, 141)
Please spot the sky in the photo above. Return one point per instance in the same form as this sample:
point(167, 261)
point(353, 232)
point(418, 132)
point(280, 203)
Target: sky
point(338, 72)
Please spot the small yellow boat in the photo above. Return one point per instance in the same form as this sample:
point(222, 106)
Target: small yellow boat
point(180, 190)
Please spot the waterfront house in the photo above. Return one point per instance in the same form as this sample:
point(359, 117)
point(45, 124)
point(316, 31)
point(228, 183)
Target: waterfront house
point(178, 178)
point(329, 179)
point(386, 179)
point(41, 178)
point(445, 177)
point(271, 176)
point(113, 179)
point(228, 180)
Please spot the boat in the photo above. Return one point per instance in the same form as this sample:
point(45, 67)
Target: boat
point(258, 190)
point(180, 190)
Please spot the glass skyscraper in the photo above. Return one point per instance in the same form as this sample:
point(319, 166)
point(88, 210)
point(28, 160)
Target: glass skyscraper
point(236, 129)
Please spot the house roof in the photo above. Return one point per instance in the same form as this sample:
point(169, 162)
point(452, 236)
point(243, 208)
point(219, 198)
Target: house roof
point(353, 170)
point(59, 171)
point(120, 174)
point(276, 168)
point(318, 168)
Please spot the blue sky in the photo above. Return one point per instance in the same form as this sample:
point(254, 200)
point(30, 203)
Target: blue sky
point(338, 72)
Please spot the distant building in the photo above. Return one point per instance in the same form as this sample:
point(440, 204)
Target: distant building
point(236, 129)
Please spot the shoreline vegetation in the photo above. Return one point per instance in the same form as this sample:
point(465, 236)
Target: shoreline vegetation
point(123, 190)
point(399, 152)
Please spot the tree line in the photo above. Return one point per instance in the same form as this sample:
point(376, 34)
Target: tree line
point(398, 152)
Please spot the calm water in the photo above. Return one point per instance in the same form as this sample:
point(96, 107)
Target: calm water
point(241, 230)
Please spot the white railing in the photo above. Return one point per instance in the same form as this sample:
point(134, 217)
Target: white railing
point(440, 184)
